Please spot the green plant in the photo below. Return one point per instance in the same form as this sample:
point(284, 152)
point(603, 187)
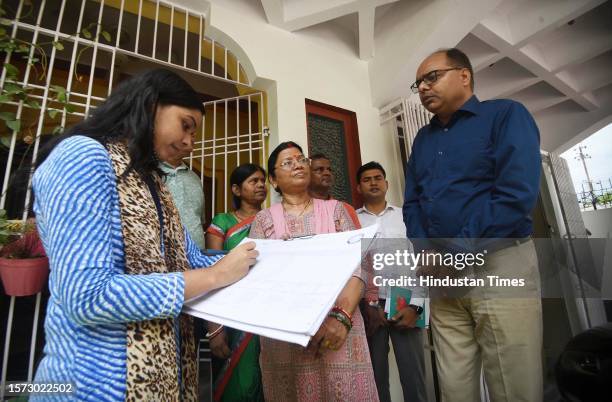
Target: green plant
point(10, 229)
point(19, 240)
point(605, 199)
point(35, 56)
point(27, 246)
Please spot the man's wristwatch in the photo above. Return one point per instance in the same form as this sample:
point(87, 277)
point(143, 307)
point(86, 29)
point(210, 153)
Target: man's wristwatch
point(417, 309)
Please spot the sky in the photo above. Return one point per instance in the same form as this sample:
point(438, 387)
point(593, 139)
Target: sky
point(599, 147)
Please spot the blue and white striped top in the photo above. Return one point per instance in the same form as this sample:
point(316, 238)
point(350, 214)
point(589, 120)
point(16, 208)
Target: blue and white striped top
point(92, 299)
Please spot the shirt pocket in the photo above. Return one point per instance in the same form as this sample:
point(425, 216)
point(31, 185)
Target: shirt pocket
point(426, 166)
point(469, 158)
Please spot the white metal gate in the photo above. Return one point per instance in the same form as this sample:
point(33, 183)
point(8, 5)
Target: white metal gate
point(89, 46)
point(409, 117)
point(234, 133)
point(406, 118)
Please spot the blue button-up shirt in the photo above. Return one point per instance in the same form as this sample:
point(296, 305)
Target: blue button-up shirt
point(476, 177)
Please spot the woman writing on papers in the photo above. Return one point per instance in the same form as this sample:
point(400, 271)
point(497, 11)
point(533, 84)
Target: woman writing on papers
point(336, 365)
point(236, 372)
point(120, 259)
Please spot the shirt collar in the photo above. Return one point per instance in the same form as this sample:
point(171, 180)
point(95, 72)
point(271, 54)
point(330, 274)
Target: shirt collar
point(169, 169)
point(471, 106)
point(365, 210)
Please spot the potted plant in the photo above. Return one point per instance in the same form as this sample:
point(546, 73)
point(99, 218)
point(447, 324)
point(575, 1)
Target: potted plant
point(24, 266)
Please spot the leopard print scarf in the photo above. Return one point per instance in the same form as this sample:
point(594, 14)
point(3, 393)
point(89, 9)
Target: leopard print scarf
point(152, 373)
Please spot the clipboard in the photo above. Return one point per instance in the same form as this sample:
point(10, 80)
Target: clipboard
point(352, 240)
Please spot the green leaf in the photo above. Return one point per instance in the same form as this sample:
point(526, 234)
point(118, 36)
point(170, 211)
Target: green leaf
point(107, 36)
point(57, 130)
point(2, 32)
point(61, 93)
point(14, 125)
point(33, 103)
point(86, 33)
point(11, 70)
point(7, 116)
point(69, 108)
point(58, 45)
point(7, 46)
point(52, 113)
point(12, 89)
point(5, 98)
point(6, 23)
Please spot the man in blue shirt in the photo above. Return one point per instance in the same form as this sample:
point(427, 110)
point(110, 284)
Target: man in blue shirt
point(472, 180)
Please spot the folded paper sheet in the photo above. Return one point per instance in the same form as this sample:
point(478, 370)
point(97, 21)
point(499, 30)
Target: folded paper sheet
point(289, 291)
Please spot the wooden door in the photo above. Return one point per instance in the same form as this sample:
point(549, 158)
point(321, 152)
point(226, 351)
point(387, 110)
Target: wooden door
point(333, 132)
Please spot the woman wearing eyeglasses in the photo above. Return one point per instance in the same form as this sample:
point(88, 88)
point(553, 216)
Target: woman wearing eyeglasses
point(336, 364)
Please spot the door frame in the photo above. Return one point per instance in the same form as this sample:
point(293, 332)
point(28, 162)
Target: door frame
point(351, 139)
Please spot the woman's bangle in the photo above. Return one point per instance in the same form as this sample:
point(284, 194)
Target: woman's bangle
point(216, 332)
point(343, 320)
point(342, 311)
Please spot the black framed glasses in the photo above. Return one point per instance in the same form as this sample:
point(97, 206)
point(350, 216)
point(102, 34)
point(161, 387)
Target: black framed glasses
point(431, 77)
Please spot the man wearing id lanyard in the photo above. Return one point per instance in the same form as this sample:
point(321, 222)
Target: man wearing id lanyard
point(407, 338)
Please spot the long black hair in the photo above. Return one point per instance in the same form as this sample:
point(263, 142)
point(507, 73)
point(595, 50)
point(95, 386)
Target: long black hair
point(239, 175)
point(129, 114)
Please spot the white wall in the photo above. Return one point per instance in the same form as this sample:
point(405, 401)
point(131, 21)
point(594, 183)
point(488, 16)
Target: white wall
point(292, 68)
point(598, 222)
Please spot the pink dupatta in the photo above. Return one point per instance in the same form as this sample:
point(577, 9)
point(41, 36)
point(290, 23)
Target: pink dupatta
point(324, 217)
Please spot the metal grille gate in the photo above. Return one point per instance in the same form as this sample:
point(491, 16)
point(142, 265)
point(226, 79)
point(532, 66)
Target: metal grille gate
point(97, 38)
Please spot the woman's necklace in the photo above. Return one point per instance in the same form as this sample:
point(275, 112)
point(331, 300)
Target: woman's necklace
point(240, 217)
point(237, 215)
point(306, 205)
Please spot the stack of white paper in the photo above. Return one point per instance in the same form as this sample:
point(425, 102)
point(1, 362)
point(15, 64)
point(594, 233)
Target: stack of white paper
point(289, 291)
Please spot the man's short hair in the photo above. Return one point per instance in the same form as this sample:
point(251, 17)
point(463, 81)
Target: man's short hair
point(459, 59)
point(319, 156)
point(370, 166)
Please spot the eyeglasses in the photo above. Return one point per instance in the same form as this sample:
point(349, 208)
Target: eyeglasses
point(430, 78)
point(287, 164)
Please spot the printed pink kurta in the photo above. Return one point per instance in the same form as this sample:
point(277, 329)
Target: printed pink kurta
point(288, 372)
